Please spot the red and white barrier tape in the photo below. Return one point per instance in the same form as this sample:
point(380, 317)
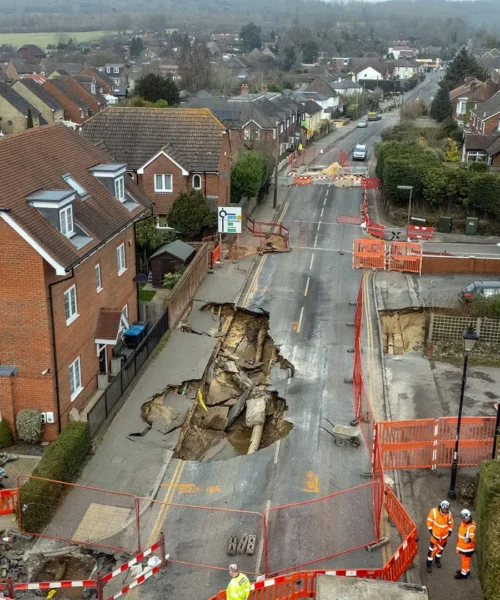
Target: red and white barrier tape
point(47, 585)
point(258, 585)
point(138, 581)
point(130, 563)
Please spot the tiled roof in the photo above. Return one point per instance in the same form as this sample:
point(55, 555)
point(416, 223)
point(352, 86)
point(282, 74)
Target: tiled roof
point(108, 324)
point(24, 67)
point(70, 68)
point(489, 108)
point(36, 159)
point(483, 92)
point(61, 85)
point(312, 107)
point(33, 49)
point(345, 84)
point(100, 77)
point(40, 92)
point(135, 135)
point(16, 100)
point(468, 85)
point(475, 141)
point(322, 86)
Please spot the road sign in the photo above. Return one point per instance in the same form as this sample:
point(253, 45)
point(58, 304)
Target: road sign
point(229, 219)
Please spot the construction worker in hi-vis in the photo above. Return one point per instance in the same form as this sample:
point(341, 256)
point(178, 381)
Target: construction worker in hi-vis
point(239, 586)
point(440, 526)
point(466, 543)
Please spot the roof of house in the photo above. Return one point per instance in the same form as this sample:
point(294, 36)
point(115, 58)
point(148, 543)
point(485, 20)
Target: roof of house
point(475, 141)
point(35, 50)
point(62, 85)
point(178, 249)
point(108, 324)
point(312, 107)
point(365, 61)
point(345, 84)
point(134, 135)
point(99, 76)
point(63, 68)
point(484, 91)
point(321, 86)
point(40, 79)
point(17, 101)
point(24, 66)
point(40, 92)
point(35, 160)
point(488, 108)
point(469, 84)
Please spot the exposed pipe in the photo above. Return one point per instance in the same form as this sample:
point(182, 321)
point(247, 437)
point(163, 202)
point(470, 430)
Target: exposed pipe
point(255, 439)
point(54, 348)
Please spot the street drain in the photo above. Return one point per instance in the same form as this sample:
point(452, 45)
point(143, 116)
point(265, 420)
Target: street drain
point(235, 397)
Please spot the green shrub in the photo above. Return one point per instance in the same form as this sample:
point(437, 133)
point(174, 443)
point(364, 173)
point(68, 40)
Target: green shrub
point(6, 438)
point(61, 461)
point(478, 167)
point(484, 194)
point(29, 425)
point(488, 528)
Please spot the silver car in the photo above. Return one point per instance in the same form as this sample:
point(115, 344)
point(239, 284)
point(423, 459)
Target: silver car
point(362, 124)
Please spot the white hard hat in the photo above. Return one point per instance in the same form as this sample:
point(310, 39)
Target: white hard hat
point(233, 567)
point(465, 514)
point(445, 505)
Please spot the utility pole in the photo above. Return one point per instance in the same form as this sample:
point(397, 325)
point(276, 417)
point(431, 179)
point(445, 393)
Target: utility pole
point(402, 104)
point(275, 195)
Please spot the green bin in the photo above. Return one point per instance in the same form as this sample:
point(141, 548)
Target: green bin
point(445, 224)
point(471, 224)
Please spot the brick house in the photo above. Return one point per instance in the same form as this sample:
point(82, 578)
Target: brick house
point(470, 96)
point(117, 72)
point(67, 257)
point(50, 108)
point(15, 110)
point(104, 83)
point(168, 151)
point(482, 148)
point(19, 68)
point(486, 117)
point(78, 103)
point(31, 52)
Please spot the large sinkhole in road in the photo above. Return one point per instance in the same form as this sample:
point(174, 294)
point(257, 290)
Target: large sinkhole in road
point(233, 408)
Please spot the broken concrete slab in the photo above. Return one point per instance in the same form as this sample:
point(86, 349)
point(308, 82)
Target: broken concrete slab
point(219, 393)
point(223, 450)
point(203, 321)
point(214, 418)
point(238, 408)
point(256, 411)
point(230, 367)
point(167, 412)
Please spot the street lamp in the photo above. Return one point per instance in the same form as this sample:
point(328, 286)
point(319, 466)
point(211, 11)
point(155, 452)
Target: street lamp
point(470, 338)
point(407, 187)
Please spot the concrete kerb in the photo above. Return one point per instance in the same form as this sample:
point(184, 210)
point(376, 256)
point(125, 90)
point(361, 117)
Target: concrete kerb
point(411, 575)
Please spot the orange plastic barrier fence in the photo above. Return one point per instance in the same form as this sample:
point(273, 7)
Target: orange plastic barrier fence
point(302, 180)
point(8, 501)
point(375, 229)
point(429, 443)
point(406, 256)
point(216, 254)
point(416, 232)
point(370, 183)
point(368, 254)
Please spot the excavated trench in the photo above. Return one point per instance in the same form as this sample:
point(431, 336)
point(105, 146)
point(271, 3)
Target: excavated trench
point(218, 415)
point(403, 331)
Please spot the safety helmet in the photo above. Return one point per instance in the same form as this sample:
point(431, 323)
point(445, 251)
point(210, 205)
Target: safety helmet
point(445, 506)
point(233, 567)
point(465, 514)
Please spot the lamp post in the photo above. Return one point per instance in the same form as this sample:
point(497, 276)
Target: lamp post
point(407, 187)
point(470, 338)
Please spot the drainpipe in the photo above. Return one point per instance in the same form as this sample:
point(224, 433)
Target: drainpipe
point(54, 347)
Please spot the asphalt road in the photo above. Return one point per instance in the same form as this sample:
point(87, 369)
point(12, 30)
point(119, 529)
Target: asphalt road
point(308, 294)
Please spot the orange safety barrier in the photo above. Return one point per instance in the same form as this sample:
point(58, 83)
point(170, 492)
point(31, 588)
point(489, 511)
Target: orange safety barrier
point(416, 232)
point(406, 256)
point(302, 180)
point(8, 501)
point(370, 183)
point(375, 229)
point(368, 254)
point(429, 443)
point(215, 254)
point(264, 229)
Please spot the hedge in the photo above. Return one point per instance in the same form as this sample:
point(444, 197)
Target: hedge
point(488, 528)
point(62, 461)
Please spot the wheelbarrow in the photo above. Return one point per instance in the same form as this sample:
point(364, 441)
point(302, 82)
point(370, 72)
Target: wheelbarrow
point(343, 433)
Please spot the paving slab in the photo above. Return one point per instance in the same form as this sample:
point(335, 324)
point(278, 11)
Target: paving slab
point(203, 321)
point(223, 285)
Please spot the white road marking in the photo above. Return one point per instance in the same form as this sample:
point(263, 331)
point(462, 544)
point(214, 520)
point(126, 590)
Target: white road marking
point(307, 286)
point(322, 211)
point(300, 319)
point(312, 260)
point(324, 203)
point(315, 241)
point(319, 224)
point(276, 452)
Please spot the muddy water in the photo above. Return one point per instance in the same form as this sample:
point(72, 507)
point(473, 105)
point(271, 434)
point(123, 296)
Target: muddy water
point(240, 439)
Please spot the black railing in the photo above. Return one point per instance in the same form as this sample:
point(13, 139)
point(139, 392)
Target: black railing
point(105, 407)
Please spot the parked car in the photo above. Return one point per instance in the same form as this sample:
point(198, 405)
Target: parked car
point(362, 124)
point(360, 152)
point(486, 289)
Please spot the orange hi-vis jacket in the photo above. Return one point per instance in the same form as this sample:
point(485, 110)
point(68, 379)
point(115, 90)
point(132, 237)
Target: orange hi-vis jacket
point(466, 531)
point(438, 524)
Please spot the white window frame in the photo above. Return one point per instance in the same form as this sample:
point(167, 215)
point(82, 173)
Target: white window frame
point(71, 305)
point(193, 180)
point(66, 222)
point(98, 278)
point(121, 259)
point(74, 185)
point(120, 188)
point(75, 379)
point(477, 156)
point(281, 127)
point(108, 69)
point(116, 69)
point(163, 189)
point(251, 134)
point(274, 133)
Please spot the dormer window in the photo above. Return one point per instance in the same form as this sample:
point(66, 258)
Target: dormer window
point(74, 185)
point(120, 188)
point(66, 221)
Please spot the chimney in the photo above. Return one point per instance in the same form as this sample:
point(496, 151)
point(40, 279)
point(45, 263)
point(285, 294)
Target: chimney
point(263, 88)
point(244, 89)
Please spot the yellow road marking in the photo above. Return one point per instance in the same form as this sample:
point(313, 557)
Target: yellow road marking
point(312, 483)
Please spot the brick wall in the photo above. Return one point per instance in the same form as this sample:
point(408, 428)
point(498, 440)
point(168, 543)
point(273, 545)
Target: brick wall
point(25, 340)
point(78, 338)
point(25, 335)
point(186, 287)
point(48, 114)
point(71, 110)
point(452, 264)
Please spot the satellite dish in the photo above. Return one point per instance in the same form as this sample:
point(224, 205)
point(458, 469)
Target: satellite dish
point(140, 278)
